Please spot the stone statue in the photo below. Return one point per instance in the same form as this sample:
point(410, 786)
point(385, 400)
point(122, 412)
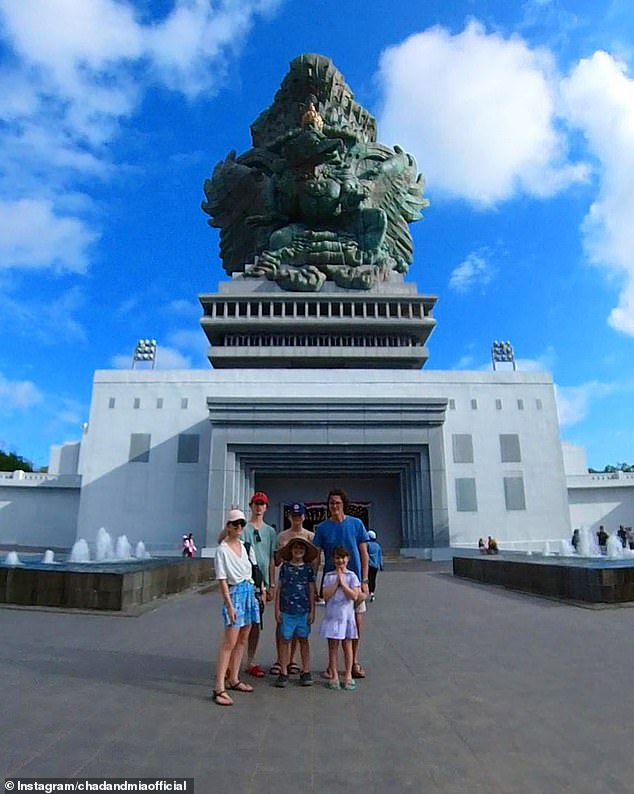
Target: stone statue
point(317, 197)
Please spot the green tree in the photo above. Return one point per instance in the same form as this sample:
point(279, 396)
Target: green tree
point(611, 469)
point(9, 461)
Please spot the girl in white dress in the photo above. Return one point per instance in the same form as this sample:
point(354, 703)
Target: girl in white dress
point(341, 590)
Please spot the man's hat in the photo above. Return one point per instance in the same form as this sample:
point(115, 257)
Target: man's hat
point(285, 553)
point(259, 496)
point(298, 509)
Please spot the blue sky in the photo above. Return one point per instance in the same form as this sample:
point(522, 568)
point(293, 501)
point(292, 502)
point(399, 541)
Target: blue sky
point(520, 115)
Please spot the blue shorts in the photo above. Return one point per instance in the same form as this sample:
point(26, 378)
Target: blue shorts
point(245, 604)
point(294, 626)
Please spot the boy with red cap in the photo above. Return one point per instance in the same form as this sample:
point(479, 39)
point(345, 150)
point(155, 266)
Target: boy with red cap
point(263, 540)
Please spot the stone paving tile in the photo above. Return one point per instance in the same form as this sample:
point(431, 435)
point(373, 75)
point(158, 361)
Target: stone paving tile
point(470, 689)
point(226, 778)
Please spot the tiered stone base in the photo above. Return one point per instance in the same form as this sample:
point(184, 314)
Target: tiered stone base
point(568, 578)
point(118, 587)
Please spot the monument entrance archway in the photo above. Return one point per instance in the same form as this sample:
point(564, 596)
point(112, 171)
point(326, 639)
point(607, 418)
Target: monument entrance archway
point(387, 452)
point(374, 497)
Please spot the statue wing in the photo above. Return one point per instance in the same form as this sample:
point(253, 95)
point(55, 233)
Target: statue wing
point(237, 191)
point(395, 186)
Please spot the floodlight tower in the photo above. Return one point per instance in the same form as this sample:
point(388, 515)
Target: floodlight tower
point(145, 350)
point(502, 352)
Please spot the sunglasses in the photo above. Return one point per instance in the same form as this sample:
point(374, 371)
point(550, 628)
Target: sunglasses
point(236, 523)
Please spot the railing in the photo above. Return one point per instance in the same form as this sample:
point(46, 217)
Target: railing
point(33, 477)
point(608, 477)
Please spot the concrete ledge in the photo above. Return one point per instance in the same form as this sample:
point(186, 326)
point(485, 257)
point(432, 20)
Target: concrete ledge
point(120, 588)
point(606, 582)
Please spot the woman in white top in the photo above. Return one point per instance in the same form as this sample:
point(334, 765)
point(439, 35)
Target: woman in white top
point(240, 610)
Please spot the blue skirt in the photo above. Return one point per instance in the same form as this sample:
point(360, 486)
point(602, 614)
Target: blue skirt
point(245, 603)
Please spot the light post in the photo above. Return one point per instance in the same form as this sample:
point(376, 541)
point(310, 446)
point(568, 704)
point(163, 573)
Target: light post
point(502, 352)
point(145, 350)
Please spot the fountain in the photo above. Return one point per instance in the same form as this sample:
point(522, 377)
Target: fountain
point(123, 550)
point(585, 575)
point(614, 548)
point(80, 552)
point(588, 544)
point(105, 549)
point(116, 580)
point(566, 549)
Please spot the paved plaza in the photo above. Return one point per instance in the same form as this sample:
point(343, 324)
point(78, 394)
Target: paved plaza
point(470, 689)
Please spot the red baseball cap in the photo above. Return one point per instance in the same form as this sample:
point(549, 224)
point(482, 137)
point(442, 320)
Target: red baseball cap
point(259, 496)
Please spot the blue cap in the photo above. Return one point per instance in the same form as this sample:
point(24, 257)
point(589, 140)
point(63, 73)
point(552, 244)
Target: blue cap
point(298, 509)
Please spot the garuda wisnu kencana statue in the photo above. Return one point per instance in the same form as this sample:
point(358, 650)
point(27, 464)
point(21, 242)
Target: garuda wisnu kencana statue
point(316, 197)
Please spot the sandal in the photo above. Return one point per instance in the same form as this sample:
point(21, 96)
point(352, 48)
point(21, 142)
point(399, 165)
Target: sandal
point(350, 686)
point(221, 698)
point(275, 669)
point(240, 686)
point(333, 685)
point(294, 669)
point(357, 671)
point(256, 671)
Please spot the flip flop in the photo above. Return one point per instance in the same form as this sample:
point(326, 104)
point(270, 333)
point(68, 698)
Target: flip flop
point(350, 686)
point(275, 669)
point(294, 669)
point(333, 685)
point(240, 686)
point(357, 671)
point(221, 698)
point(256, 671)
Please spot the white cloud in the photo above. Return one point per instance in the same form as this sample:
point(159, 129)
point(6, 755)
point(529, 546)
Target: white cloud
point(478, 112)
point(599, 99)
point(467, 362)
point(475, 271)
point(128, 308)
point(77, 67)
point(574, 402)
point(47, 320)
point(545, 362)
point(194, 342)
point(185, 308)
point(66, 415)
point(33, 235)
point(170, 358)
point(18, 394)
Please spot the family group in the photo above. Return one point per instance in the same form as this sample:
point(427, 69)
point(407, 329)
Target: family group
point(256, 566)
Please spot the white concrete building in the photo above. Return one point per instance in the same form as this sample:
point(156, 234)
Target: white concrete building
point(441, 458)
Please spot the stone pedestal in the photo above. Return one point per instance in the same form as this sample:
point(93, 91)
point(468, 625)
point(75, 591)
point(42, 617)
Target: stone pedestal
point(254, 323)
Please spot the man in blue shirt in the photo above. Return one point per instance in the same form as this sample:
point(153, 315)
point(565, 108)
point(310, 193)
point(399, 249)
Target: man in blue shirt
point(347, 531)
